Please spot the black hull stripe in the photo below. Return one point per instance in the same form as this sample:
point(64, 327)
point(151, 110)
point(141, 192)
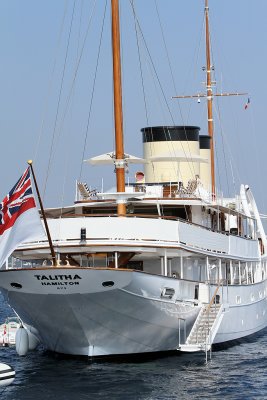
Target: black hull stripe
point(3, 371)
point(10, 376)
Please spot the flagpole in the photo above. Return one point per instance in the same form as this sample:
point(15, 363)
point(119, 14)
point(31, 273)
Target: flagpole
point(53, 254)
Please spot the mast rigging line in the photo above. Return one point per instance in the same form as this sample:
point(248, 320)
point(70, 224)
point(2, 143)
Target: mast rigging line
point(262, 193)
point(80, 24)
point(59, 100)
point(223, 149)
point(152, 74)
point(221, 131)
point(165, 46)
point(140, 64)
point(93, 90)
point(76, 69)
point(67, 158)
point(142, 77)
point(196, 57)
point(190, 163)
point(174, 86)
point(232, 159)
point(153, 66)
point(45, 107)
point(215, 148)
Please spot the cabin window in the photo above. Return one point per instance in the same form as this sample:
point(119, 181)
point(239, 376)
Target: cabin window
point(238, 299)
point(100, 210)
point(107, 260)
point(178, 212)
point(97, 260)
point(137, 265)
point(145, 211)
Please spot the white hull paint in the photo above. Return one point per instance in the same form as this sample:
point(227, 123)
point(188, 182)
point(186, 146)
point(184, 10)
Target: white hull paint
point(243, 319)
point(89, 319)
point(75, 314)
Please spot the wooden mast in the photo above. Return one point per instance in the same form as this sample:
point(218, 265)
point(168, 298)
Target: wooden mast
point(209, 95)
point(209, 101)
point(118, 119)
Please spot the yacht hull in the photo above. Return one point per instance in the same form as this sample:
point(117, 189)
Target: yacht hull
point(80, 316)
point(103, 312)
point(245, 312)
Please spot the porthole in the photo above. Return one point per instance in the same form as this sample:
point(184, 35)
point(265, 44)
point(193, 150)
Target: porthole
point(16, 285)
point(107, 283)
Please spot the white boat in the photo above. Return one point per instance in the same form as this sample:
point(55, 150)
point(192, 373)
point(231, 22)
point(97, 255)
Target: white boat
point(8, 331)
point(162, 264)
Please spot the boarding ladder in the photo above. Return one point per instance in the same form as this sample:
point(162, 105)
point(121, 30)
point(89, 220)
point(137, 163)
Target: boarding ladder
point(205, 327)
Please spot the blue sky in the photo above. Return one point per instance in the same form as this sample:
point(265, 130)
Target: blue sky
point(32, 60)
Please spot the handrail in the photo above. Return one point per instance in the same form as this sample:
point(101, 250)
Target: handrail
point(206, 328)
point(171, 218)
point(214, 295)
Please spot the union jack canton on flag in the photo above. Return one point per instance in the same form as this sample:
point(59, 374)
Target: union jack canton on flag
point(19, 217)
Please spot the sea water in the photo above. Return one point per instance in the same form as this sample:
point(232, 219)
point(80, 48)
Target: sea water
point(236, 372)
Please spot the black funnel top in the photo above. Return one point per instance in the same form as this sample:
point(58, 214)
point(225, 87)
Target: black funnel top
point(204, 142)
point(170, 133)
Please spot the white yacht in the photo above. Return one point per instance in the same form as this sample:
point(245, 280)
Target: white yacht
point(164, 263)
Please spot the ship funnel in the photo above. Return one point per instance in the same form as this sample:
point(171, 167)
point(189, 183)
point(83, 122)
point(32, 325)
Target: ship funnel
point(172, 154)
point(205, 168)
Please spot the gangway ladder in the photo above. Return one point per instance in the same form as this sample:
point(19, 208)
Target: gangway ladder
point(205, 327)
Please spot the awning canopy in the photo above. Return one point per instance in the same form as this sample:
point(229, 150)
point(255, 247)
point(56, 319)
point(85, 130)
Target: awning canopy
point(109, 158)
